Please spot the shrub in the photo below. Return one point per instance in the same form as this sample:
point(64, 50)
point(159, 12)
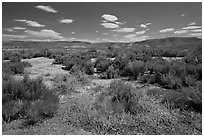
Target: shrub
point(15, 57)
point(14, 67)
point(27, 98)
point(123, 99)
point(185, 99)
point(102, 64)
point(135, 68)
point(88, 67)
point(111, 72)
point(170, 81)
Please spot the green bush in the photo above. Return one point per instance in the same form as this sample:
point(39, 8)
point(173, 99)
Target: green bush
point(88, 67)
point(102, 64)
point(185, 99)
point(19, 100)
point(123, 98)
point(14, 67)
point(170, 81)
point(135, 68)
point(110, 73)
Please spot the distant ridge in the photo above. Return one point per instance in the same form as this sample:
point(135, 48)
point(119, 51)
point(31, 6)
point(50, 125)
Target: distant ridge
point(169, 42)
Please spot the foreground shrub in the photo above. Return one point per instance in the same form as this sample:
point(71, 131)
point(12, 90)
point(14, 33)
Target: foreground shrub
point(123, 98)
point(14, 67)
point(28, 99)
point(185, 99)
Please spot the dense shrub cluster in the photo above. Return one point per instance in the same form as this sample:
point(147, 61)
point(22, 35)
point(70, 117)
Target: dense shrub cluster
point(29, 99)
point(185, 99)
point(14, 67)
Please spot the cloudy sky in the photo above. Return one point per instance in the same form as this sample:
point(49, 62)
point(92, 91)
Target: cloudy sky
point(99, 22)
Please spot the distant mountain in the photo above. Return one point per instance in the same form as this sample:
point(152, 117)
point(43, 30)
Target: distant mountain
point(172, 42)
point(169, 42)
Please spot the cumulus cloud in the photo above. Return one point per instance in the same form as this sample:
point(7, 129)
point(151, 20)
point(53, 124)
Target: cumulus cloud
point(73, 32)
point(110, 25)
point(30, 23)
point(143, 26)
point(197, 30)
point(67, 21)
point(7, 37)
point(191, 27)
point(14, 36)
point(196, 34)
point(47, 8)
point(45, 33)
point(148, 23)
point(166, 30)
point(124, 30)
point(180, 31)
point(119, 23)
point(9, 30)
point(192, 23)
point(129, 36)
point(109, 17)
point(18, 28)
point(140, 32)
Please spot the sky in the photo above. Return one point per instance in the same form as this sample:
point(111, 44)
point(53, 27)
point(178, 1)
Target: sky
point(100, 22)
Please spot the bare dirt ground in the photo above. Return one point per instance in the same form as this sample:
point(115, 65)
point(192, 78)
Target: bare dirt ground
point(43, 67)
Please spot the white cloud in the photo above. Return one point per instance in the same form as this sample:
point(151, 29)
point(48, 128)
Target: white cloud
point(182, 15)
point(196, 34)
point(9, 30)
point(96, 30)
point(30, 23)
point(140, 32)
point(144, 36)
point(135, 39)
point(192, 23)
point(180, 31)
point(14, 36)
point(197, 30)
point(47, 8)
point(143, 26)
point(148, 23)
point(129, 36)
point(191, 27)
point(109, 17)
point(124, 30)
point(166, 30)
point(7, 37)
point(67, 21)
point(117, 22)
point(110, 25)
point(45, 33)
point(18, 28)
point(73, 32)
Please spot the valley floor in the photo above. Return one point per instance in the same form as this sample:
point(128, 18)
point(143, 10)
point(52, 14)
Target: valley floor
point(84, 110)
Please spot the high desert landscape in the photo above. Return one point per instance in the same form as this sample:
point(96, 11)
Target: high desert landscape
point(136, 79)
